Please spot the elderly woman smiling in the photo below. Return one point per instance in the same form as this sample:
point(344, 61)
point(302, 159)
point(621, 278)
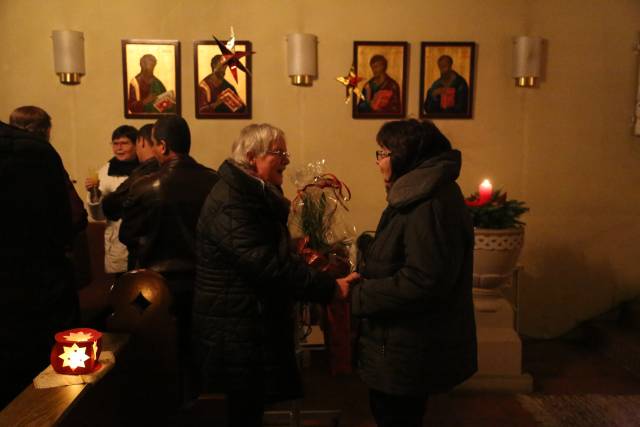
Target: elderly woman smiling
point(247, 280)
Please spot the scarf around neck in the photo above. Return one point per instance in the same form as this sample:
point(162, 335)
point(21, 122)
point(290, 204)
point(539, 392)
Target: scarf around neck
point(121, 167)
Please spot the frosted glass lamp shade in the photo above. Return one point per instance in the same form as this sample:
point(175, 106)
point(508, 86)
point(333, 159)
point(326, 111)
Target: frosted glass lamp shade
point(68, 55)
point(302, 63)
point(527, 60)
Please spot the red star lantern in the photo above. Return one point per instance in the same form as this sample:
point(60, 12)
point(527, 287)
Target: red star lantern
point(231, 57)
point(76, 351)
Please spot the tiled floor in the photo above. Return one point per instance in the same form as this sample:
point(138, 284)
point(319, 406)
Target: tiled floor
point(560, 366)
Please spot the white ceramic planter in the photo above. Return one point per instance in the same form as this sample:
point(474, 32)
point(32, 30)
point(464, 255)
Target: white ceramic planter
point(496, 256)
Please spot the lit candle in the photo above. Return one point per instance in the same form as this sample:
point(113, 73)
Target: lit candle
point(485, 191)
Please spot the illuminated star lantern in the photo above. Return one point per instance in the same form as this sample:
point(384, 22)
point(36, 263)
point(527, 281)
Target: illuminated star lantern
point(231, 57)
point(351, 85)
point(76, 351)
point(74, 356)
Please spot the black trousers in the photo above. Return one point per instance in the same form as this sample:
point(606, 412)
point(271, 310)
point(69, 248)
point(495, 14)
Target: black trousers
point(396, 411)
point(245, 409)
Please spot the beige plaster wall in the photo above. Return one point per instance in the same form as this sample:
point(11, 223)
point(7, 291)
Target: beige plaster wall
point(565, 148)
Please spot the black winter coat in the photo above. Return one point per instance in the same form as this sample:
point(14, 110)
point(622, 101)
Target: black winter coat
point(246, 282)
point(37, 292)
point(417, 331)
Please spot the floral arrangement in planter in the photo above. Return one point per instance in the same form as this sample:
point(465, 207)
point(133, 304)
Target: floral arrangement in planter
point(491, 209)
point(499, 238)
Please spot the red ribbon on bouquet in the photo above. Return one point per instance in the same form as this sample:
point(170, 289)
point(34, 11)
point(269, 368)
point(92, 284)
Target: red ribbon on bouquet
point(327, 180)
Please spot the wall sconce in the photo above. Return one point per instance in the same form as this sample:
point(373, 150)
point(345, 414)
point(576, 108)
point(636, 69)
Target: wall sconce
point(302, 58)
point(76, 351)
point(68, 55)
point(527, 60)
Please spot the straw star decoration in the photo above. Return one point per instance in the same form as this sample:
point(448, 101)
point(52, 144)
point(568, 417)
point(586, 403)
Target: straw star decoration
point(231, 57)
point(350, 81)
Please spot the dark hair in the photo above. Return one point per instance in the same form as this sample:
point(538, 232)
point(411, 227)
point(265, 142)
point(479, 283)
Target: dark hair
point(447, 57)
point(411, 142)
point(145, 132)
point(378, 58)
point(174, 130)
point(125, 131)
point(32, 119)
point(216, 59)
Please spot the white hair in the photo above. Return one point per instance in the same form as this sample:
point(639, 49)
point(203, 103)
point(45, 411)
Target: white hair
point(255, 138)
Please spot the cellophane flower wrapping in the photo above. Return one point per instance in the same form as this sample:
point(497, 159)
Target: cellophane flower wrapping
point(324, 236)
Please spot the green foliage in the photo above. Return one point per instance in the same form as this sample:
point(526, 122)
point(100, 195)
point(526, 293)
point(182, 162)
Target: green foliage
point(314, 220)
point(498, 213)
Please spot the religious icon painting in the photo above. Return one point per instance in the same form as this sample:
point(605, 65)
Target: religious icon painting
point(151, 78)
point(446, 80)
point(222, 91)
point(381, 70)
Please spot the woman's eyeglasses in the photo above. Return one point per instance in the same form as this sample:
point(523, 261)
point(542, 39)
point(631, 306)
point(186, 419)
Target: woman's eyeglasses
point(280, 153)
point(380, 154)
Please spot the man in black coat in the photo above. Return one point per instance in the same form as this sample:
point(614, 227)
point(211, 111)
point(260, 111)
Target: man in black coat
point(36, 279)
point(162, 209)
point(113, 203)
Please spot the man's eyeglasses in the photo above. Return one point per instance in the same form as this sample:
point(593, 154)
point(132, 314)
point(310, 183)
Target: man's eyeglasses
point(280, 153)
point(120, 143)
point(380, 154)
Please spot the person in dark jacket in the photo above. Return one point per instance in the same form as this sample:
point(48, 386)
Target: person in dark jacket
point(162, 209)
point(37, 121)
point(36, 279)
point(248, 279)
point(113, 203)
point(417, 327)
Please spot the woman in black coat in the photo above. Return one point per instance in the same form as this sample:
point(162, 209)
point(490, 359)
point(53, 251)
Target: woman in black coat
point(247, 280)
point(417, 329)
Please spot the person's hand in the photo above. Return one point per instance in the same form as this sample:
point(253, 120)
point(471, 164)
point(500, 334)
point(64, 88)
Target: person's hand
point(439, 91)
point(91, 183)
point(343, 288)
point(149, 99)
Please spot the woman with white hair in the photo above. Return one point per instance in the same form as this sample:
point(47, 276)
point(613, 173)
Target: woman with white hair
point(248, 279)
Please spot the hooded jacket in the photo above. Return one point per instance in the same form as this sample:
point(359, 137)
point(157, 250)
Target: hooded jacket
point(417, 329)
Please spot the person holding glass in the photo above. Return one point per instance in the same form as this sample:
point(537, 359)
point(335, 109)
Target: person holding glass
point(109, 177)
point(414, 300)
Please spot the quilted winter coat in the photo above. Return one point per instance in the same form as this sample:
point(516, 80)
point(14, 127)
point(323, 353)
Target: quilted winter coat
point(247, 280)
point(417, 328)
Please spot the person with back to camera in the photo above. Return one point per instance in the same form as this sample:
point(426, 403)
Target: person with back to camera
point(247, 280)
point(414, 302)
point(37, 293)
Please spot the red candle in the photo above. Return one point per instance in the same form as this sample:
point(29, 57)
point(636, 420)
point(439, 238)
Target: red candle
point(485, 191)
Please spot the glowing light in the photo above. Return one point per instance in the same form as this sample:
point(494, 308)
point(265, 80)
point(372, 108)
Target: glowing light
point(74, 356)
point(78, 337)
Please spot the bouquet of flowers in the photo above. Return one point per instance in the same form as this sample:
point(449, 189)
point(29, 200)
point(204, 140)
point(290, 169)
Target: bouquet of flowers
point(323, 235)
point(323, 238)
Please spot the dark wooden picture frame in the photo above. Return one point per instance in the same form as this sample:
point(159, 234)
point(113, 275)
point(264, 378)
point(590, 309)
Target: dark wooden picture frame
point(447, 74)
point(159, 94)
point(382, 65)
point(216, 97)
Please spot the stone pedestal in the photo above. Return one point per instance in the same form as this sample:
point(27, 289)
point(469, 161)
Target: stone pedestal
point(499, 353)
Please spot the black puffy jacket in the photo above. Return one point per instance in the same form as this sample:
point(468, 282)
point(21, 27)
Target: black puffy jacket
point(246, 282)
point(37, 292)
point(417, 331)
